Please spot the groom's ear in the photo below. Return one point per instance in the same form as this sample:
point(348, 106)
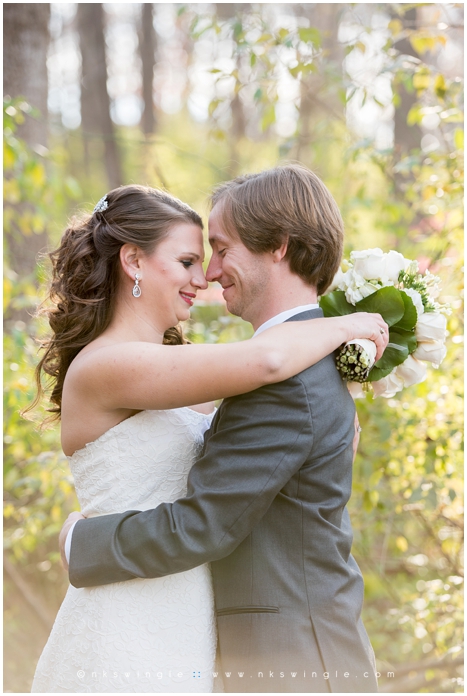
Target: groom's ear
point(280, 252)
point(129, 259)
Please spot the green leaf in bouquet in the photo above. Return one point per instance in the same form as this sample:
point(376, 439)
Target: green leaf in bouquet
point(385, 301)
point(403, 338)
point(335, 304)
point(400, 346)
point(394, 355)
point(377, 373)
point(409, 319)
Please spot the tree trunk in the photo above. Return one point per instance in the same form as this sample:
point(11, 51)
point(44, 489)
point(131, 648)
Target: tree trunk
point(147, 47)
point(95, 101)
point(226, 11)
point(317, 100)
point(25, 45)
point(26, 41)
point(406, 137)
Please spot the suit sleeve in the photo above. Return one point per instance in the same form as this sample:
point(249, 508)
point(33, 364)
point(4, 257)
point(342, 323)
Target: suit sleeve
point(261, 439)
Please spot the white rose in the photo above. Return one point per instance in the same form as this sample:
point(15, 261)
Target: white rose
point(411, 371)
point(368, 264)
point(388, 386)
point(431, 326)
point(373, 264)
point(337, 282)
point(356, 390)
point(354, 295)
point(356, 287)
point(394, 264)
point(416, 299)
point(431, 351)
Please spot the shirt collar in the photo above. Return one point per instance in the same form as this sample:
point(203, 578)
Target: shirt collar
point(283, 316)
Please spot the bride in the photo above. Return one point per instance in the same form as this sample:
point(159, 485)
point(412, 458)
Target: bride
point(124, 381)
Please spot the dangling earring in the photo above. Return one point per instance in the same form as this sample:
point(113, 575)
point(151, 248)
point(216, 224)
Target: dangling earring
point(136, 289)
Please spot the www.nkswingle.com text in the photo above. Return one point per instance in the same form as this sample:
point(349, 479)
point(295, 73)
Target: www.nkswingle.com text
point(195, 674)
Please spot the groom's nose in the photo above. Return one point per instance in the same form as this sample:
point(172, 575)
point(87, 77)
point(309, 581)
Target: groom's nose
point(214, 269)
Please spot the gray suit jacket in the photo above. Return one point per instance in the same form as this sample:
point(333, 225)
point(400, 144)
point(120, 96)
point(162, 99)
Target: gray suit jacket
point(266, 505)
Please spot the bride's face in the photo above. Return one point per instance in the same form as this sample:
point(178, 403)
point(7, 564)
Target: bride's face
point(173, 274)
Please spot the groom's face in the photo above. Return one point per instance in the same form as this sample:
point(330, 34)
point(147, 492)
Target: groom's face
point(243, 275)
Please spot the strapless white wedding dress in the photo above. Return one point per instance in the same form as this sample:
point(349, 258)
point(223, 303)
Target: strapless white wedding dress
point(141, 635)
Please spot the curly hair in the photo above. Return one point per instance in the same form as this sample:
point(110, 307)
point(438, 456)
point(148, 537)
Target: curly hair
point(85, 275)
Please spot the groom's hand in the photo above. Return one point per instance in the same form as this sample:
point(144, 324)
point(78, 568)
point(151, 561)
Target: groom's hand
point(70, 520)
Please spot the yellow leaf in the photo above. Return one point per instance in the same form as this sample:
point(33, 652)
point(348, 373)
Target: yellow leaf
point(428, 192)
point(38, 175)
point(24, 224)
point(421, 80)
point(440, 86)
point(401, 543)
point(11, 191)
point(459, 139)
point(37, 224)
point(8, 510)
point(395, 26)
point(422, 42)
point(7, 291)
point(8, 156)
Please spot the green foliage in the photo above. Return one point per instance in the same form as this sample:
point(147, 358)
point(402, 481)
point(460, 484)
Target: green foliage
point(406, 511)
point(34, 184)
point(37, 485)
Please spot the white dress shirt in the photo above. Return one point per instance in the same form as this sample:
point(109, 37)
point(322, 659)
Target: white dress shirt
point(283, 316)
point(278, 319)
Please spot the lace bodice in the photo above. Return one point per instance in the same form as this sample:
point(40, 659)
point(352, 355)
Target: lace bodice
point(139, 463)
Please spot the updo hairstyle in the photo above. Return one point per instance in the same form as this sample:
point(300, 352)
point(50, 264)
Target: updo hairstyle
point(86, 274)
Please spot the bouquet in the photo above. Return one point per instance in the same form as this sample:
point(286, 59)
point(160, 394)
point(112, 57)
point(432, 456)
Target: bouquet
point(392, 286)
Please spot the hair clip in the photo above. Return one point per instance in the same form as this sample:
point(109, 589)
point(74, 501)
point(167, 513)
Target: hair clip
point(101, 205)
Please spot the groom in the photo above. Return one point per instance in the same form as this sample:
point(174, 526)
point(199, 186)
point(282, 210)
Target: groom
point(266, 502)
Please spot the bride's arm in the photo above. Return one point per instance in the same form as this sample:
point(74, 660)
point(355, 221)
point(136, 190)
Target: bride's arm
point(149, 376)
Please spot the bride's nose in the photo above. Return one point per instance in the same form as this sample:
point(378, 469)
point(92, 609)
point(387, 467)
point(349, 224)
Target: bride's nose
point(199, 281)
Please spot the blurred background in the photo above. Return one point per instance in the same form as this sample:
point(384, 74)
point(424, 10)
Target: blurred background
point(184, 97)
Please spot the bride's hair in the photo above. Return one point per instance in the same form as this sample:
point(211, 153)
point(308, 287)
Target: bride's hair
point(86, 272)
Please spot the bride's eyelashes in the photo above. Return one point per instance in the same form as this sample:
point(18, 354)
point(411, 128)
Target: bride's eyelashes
point(187, 264)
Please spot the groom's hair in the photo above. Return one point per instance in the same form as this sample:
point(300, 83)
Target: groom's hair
point(286, 204)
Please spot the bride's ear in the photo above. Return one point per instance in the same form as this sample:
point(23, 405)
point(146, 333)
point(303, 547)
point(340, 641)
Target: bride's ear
point(130, 256)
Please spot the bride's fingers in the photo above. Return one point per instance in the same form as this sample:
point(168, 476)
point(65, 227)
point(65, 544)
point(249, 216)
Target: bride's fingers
point(356, 438)
point(381, 344)
point(381, 338)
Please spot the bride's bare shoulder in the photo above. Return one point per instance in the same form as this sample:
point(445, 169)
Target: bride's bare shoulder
point(101, 358)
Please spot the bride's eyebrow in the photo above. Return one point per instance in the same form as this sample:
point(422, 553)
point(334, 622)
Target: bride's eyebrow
point(191, 253)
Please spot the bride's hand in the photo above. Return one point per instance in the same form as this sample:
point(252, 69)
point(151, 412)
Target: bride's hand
point(356, 438)
point(70, 520)
point(371, 326)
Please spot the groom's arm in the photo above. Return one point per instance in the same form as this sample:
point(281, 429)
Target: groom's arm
point(262, 438)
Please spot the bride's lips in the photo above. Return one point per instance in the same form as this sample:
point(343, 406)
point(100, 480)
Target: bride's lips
point(188, 297)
